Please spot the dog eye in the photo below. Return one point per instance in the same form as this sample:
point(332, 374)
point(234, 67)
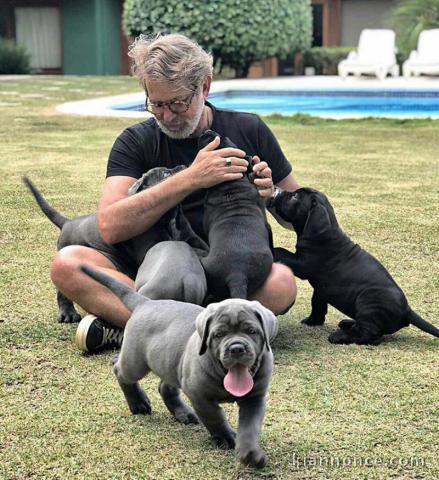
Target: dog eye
point(251, 330)
point(219, 334)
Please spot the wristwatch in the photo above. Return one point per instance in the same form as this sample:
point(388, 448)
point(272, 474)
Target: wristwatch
point(272, 197)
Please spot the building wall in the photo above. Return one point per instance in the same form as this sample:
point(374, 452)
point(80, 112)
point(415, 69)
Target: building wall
point(91, 37)
point(40, 39)
point(359, 14)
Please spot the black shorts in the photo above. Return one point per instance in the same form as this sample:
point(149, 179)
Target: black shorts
point(118, 254)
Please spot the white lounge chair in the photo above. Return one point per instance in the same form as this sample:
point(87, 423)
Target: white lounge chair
point(426, 58)
point(375, 55)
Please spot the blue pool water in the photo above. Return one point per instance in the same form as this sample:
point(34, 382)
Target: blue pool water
point(421, 103)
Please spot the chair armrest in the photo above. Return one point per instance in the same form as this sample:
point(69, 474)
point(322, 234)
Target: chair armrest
point(352, 55)
point(413, 55)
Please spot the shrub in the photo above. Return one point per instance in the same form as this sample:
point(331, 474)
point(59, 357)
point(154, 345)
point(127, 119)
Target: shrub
point(13, 58)
point(237, 33)
point(410, 17)
point(326, 59)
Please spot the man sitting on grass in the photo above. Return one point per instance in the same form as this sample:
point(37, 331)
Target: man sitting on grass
point(176, 74)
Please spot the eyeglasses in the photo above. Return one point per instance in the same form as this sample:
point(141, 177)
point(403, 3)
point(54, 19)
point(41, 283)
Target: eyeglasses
point(176, 106)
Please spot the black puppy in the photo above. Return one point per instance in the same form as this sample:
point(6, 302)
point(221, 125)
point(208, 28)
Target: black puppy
point(84, 231)
point(239, 237)
point(341, 273)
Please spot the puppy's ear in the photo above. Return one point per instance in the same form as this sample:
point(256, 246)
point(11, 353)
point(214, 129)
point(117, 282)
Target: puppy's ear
point(178, 168)
point(280, 220)
point(268, 322)
point(203, 324)
point(318, 220)
point(137, 186)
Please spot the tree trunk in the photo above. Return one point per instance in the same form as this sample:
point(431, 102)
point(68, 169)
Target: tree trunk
point(242, 71)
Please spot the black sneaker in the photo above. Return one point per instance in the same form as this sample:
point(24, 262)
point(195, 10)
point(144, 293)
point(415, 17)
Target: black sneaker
point(94, 334)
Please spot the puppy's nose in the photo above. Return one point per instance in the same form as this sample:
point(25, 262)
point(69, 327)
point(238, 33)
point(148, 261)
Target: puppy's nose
point(237, 349)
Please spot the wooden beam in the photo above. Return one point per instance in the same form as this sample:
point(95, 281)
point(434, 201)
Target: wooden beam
point(331, 21)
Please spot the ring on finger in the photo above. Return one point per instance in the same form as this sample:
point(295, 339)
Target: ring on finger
point(228, 162)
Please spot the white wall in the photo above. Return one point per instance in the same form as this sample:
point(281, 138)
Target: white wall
point(359, 14)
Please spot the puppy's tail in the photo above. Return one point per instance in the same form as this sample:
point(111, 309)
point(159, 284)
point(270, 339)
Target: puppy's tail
point(237, 285)
point(54, 216)
point(129, 297)
point(422, 324)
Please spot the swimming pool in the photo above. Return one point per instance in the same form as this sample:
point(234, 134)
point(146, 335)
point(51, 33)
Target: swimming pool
point(328, 97)
point(336, 103)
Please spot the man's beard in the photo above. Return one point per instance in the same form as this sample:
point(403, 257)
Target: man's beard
point(186, 129)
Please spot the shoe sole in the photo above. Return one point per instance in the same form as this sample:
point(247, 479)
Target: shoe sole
point(81, 332)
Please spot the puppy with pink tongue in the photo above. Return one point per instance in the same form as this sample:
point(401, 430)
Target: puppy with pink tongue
point(214, 355)
point(234, 339)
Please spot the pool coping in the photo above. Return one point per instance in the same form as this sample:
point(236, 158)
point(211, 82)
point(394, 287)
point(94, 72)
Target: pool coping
point(101, 106)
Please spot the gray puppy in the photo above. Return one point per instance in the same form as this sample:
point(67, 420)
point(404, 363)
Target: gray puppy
point(217, 354)
point(174, 224)
point(83, 230)
point(172, 270)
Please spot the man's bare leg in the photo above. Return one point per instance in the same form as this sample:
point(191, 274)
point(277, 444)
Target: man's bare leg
point(279, 290)
point(81, 289)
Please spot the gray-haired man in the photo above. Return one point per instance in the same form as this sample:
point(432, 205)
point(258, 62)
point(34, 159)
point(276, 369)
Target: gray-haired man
point(176, 74)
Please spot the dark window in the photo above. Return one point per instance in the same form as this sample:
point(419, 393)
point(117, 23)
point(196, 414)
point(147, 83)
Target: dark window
point(286, 66)
point(3, 25)
point(317, 27)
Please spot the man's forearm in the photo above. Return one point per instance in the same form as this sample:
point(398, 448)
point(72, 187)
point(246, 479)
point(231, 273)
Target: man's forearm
point(133, 215)
point(121, 217)
point(288, 183)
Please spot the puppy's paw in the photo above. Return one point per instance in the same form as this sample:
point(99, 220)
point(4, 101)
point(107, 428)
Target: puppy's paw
point(347, 337)
point(346, 324)
point(185, 416)
point(224, 441)
point(137, 399)
point(69, 316)
point(313, 321)
point(255, 458)
point(340, 337)
point(140, 406)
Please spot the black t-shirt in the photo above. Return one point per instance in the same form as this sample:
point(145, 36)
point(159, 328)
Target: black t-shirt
point(144, 146)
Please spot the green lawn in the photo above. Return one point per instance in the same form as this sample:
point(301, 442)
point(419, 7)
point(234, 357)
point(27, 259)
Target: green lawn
point(347, 412)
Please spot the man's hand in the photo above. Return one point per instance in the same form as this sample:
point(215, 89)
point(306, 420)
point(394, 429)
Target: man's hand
point(211, 166)
point(263, 180)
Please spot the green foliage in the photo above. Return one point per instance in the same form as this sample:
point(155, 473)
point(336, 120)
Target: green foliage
point(236, 32)
point(410, 18)
point(13, 58)
point(326, 59)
